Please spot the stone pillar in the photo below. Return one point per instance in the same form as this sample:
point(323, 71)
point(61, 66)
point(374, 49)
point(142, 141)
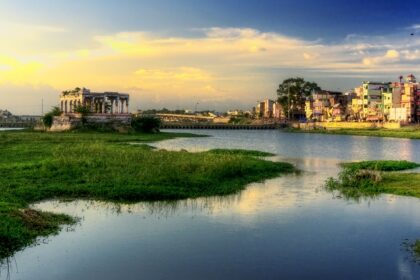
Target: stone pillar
point(61, 107)
point(126, 105)
point(103, 105)
point(112, 106)
point(122, 106)
point(65, 106)
point(92, 105)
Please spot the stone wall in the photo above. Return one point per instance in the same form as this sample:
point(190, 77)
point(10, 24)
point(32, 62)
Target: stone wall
point(345, 125)
point(66, 122)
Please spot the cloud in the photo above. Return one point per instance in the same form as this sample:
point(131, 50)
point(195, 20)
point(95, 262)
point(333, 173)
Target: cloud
point(392, 54)
point(219, 64)
point(177, 74)
point(414, 26)
point(389, 57)
point(14, 71)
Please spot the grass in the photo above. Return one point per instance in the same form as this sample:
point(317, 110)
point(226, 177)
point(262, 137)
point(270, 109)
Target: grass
point(370, 178)
point(411, 132)
point(382, 165)
point(38, 166)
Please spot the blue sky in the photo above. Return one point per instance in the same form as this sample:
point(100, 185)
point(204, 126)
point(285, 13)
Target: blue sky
point(325, 19)
point(220, 53)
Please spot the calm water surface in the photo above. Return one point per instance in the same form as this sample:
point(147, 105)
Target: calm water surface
point(284, 228)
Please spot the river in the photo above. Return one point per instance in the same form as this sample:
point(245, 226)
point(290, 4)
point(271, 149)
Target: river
point(283, 228)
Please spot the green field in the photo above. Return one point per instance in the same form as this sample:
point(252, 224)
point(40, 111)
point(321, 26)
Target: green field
point(105, 166)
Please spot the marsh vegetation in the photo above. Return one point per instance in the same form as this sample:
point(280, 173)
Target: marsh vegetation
point(103, 166)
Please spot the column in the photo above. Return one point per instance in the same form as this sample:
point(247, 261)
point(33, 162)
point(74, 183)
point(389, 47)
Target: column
point(103, 105)
point(92, 105)
point(126, 105)
point(122, 106)
point(112, 106)
point(117, 105)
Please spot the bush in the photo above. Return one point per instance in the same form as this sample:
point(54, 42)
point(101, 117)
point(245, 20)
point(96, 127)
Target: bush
point(84, 111)
point(47, 119)
point(145, 124)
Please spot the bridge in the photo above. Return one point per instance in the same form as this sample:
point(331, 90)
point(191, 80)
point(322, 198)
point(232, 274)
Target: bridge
point(219, 126)
point(21, 124)
point(183, 118)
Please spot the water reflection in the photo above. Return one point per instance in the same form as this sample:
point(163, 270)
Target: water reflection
point(286, 227)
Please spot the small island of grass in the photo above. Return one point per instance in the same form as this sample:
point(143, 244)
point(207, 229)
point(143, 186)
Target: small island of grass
point(36, 166)
point(370, 178)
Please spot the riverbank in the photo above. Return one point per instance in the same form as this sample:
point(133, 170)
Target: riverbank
point(37, 166)
point(410, 132)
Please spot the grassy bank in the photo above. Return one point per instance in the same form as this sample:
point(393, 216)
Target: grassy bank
point(39, 166)
point(370, 178)
point(404, 132)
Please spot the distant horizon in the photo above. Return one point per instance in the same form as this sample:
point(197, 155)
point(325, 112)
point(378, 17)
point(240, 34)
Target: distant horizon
point(220, 54)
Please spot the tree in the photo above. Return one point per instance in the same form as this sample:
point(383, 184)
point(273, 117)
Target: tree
point(145, 124)
point(47, 119)
point(83, 111)
point(292, 94)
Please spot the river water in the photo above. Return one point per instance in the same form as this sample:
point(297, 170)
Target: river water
point(283, 228)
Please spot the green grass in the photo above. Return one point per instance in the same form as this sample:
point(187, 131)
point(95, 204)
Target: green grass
point(382, 165)
point(38, 166)
point(412, 132)
point(370, 178)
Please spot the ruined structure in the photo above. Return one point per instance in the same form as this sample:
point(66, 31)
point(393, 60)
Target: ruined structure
point(97, 102)
point(83, 107)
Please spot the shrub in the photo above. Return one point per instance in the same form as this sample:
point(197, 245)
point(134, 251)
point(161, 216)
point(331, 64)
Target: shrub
point(145, 124)
point(47, 119)
point(84, 111)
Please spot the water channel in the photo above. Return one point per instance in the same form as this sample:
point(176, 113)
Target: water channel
point(283, 228)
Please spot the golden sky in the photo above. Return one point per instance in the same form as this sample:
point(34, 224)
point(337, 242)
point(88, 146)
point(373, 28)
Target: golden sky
point(219, 68)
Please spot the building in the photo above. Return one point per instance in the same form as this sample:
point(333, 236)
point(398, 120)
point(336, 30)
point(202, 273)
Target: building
point(268, 108)
point(371, 94)
point(278, 111)
point(106, 109)
point(96, 102)
point(326, 105)
point(405, 95)
point(265, 109)
point(260, 109)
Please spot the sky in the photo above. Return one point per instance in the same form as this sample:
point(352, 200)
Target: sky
point(216, 55)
